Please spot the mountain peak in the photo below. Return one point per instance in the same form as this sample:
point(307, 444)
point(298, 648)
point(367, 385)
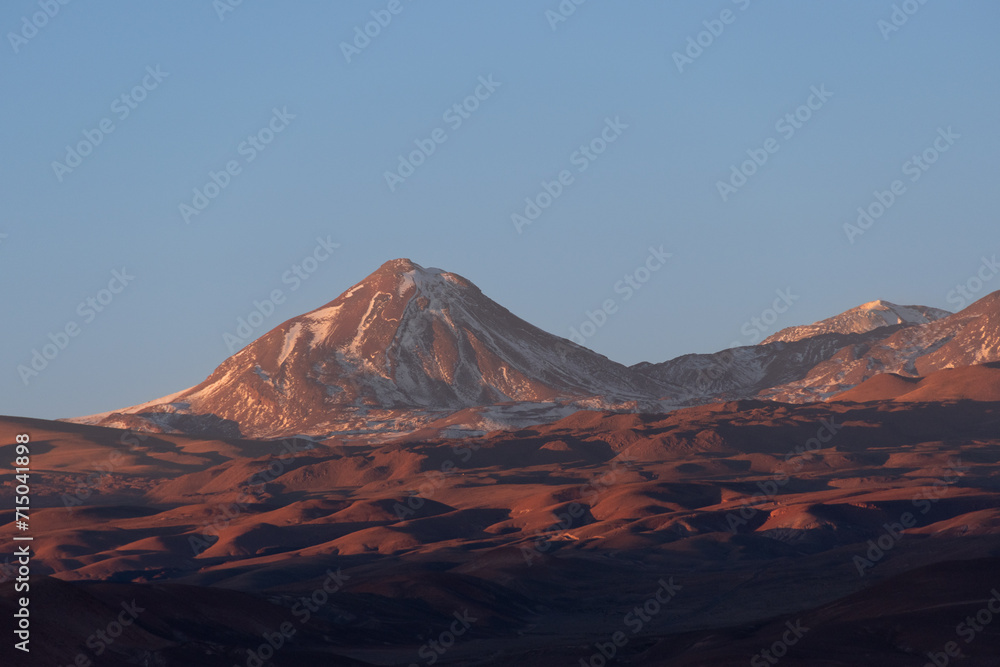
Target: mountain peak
point(404, 338)
point(402, 265)
point(861, 319)
point(407, 273)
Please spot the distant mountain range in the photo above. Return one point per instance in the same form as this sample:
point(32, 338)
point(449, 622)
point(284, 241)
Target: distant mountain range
point(415, 350)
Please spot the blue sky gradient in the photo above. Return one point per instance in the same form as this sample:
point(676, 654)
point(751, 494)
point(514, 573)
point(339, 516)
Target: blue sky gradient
point(323, 175)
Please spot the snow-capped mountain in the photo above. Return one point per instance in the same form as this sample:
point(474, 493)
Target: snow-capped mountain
point(415, 350)
point(404, 339)
point(864, 318)
point(744, 372)
point(970, 336)
point(783, 358)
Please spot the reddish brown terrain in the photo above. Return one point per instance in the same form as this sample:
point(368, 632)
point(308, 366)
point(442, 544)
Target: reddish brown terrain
point(977, 383)
point(404, 347)
point(411, 475)
point(874, 525)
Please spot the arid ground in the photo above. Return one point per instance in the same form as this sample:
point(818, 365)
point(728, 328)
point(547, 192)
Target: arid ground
point(749, 532)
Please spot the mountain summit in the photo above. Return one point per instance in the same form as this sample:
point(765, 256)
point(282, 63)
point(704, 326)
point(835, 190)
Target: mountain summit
point(968, 337)
point(412, 349)
point(405, 337)
point(866, 317)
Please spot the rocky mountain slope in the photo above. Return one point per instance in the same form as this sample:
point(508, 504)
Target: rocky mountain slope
point(406, 342)
point(866, 317)
point(412, 349)
point(970, 336)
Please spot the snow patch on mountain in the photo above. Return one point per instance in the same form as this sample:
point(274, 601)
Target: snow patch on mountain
point(866, 317)
point(424, 351)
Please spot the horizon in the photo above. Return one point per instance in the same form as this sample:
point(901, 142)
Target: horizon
point(183, 164)
point(259, 331)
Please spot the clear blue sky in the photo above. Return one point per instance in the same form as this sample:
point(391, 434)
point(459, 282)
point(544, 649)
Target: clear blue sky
point(324, 172)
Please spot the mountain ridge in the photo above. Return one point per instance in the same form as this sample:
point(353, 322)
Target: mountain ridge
point(404, 338)
point(410, 347)
point(861, 319)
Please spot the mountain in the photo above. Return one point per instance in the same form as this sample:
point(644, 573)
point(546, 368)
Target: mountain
point(819, 361)
point(744, 372)
point(785, 357)
point(970, 336)
point(864, 318)
point(421, 351)
point(406, 342)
